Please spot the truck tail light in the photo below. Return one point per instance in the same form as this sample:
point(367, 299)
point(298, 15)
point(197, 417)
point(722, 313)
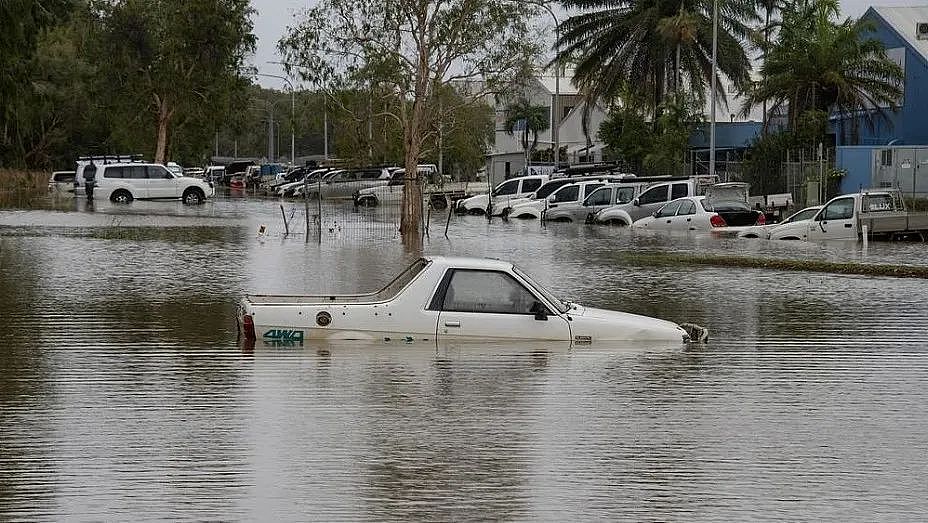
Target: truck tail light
point(761, 219)
point(717, 221)
point(248, 326)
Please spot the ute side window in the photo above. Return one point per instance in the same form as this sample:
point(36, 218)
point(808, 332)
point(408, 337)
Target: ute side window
point(679, 190)
point(624, 194)
point(654, 195)
point(840, 209)
point(487, 292)
point(591, 187)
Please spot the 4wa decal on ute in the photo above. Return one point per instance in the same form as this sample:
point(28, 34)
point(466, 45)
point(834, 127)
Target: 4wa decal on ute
point(283, 335)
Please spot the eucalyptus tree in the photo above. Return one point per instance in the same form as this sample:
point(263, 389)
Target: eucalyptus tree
point(411, 49)
point(654, 46)
point(818, 63)
point(176, 61)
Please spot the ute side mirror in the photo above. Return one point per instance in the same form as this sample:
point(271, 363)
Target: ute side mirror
point(541, 312)
point(635, 202)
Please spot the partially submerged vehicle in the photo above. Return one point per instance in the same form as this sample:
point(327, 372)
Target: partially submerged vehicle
point(792, 228)
point(438, 298)
point(61, 183)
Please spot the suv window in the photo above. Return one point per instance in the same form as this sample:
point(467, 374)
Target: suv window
point(550, 187)
point(668, 210)
point(590, 187)
point(679, 190)
point(136, 172)
point(488, 292)
point(624, 194)
point(571, 193)
point(156, 172)
point(531, 185)
point(507, 188)
point(370, 175)
point(110, 172)
point(600, 196)
point(654, 195)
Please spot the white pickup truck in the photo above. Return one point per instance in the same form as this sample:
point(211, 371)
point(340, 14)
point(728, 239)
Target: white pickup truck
point(449, 298)
point(881, 213)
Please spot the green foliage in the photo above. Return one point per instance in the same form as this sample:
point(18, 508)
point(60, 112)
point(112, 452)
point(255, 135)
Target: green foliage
point(653, 148)
point(819, 63)
point(649, 45)
point(763, 160)
point(528, 120)
point(182, 61)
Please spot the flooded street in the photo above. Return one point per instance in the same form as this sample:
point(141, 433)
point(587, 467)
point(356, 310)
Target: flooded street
point(126, 395)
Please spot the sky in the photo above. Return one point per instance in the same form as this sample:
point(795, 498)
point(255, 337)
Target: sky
point(273, 17)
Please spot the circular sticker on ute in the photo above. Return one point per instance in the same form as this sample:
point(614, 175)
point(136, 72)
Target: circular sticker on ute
point(323, 319)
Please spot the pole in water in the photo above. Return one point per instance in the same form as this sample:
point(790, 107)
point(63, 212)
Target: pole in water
point(286, 225)
point(306, 205)
point(319, 207)
point(448, 222)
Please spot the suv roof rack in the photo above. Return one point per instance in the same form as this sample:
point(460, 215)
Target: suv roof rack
point(112, 158)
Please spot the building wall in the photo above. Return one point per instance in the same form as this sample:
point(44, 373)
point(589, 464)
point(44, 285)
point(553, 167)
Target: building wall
point(909, 125)
point(728, 135)
point(857, 162)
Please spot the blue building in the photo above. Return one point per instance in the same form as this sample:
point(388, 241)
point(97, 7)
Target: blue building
point(898, 29)
point(893, 152)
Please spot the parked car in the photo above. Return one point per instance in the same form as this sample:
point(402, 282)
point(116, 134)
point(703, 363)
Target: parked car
point(653, 198)
point(175, 168)
point(500, 197)
point(124, 182)
point(215, 174)
point(607, 196)
point(874, 213)
point(569, 196)
point(61, 183)
point(700, 213)
point(447, 298)
point(344, 183)
point(792, 228)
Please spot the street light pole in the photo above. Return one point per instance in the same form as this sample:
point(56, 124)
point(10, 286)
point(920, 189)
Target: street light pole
point(556, 105)
point(292, 115)
point(715, 44)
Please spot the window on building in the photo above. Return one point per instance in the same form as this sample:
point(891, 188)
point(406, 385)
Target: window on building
point(886, 157)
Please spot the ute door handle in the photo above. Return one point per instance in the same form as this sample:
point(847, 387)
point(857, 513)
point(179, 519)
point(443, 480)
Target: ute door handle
point(668, 221)
point(848, 225)
point(689, 219)
point(452, 324)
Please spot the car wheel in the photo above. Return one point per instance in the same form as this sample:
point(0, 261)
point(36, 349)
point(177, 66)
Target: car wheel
point(616, 223)
point(476, 212)
point(193, 196)
point(121, 196)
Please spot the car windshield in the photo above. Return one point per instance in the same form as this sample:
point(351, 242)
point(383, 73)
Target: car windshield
point(553, 300)
point(545, 190)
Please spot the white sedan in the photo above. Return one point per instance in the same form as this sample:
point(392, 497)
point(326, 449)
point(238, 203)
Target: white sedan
point(792, 228)
point(695, 213)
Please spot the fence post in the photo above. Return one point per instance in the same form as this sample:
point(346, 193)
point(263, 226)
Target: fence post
point(319, 207)
point(306, 205)
point(286, 225)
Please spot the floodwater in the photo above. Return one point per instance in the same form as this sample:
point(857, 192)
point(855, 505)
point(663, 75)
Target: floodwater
point(124, 393)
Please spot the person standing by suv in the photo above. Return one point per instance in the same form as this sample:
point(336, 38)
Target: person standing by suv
point(90, 180)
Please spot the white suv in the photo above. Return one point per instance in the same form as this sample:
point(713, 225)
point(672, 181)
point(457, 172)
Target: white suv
point(124, 182)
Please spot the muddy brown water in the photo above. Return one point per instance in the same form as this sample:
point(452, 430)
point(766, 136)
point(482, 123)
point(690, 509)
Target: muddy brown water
point(124, 393)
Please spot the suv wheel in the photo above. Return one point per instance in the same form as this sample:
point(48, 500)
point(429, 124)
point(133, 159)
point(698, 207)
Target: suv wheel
point(193, 196)
point(121, 196)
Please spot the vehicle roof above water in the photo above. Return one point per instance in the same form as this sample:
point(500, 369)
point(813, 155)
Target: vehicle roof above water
point(461, 262)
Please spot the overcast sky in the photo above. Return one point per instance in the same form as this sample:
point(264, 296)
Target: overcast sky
point(274, 16)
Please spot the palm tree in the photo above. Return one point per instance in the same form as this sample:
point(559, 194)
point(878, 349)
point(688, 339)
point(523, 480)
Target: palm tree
point(522, 116)
point(817, 63)
point(650, 45)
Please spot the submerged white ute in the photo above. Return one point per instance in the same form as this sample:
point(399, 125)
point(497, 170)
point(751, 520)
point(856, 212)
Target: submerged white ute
point(438, 298)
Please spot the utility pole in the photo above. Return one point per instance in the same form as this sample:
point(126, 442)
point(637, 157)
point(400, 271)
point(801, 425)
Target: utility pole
point(715, 44)
point(292, 115)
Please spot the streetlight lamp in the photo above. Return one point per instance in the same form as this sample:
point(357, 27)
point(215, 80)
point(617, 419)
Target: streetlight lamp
point(292, 114)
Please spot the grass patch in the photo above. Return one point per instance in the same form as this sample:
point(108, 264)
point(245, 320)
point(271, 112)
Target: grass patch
point(865, 269)
point(23, 181)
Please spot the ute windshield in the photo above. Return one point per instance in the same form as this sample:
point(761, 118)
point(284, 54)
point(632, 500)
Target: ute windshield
point(553, 300)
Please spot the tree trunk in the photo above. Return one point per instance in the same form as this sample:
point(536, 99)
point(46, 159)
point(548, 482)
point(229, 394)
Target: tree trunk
point(165, 113)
